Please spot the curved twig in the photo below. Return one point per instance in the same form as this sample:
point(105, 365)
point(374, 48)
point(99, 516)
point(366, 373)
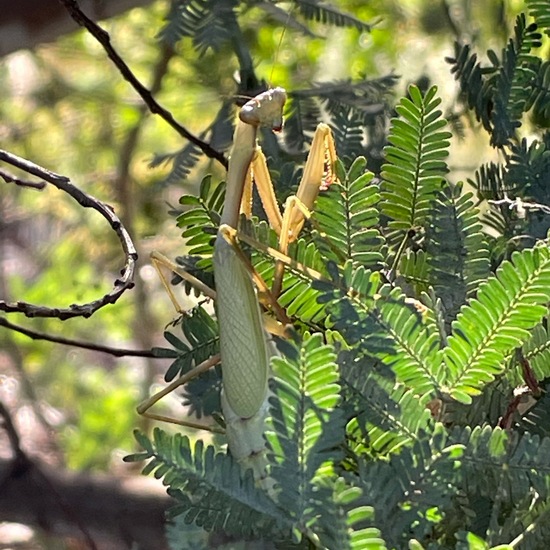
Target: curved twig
point(121, 284)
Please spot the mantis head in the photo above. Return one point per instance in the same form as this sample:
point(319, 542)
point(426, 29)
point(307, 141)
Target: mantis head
point(265, 109)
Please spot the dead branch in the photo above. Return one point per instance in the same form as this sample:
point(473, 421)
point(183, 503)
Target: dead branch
point(121, 284)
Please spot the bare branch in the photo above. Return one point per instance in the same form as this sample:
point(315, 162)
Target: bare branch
point(104, 39)
point(126, 280)
point(520, 206)
point(116, 352)
point(10, 178)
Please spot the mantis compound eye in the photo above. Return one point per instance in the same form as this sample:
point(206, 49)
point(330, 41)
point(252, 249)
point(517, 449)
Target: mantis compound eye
point(265, 109)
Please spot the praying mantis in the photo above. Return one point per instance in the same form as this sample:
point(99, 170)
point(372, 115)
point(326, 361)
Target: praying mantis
point(245, 347)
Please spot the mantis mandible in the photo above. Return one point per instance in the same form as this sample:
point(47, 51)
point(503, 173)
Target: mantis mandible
point(245, 348)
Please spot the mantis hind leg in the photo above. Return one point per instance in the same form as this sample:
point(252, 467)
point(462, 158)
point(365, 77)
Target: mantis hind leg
point(160, 261)
point(144, 407)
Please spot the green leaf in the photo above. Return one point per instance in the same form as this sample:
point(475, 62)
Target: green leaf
point(414, 169)
point(486, 331)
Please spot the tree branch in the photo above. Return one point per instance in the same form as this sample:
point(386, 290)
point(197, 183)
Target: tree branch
point(104, 39)
point(120, 285)
point(10, 178)
point(116, 352)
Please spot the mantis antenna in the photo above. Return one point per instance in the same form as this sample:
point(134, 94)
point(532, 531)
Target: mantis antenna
point(281, 38)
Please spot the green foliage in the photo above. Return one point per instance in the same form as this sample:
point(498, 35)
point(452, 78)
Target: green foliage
point(347, 218)
point(415, 161)
point(324, 13)
point(352, 108)
point(497, 93)
point(207, 485)
point(497, 321)
point(200, 342)
point(409, 404)
point(457, 255)
point(210, 23)
point(540, 11)
point(306, 426)
point(419, 320)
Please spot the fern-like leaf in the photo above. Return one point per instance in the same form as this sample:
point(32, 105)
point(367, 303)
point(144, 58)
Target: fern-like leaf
point(347, 218)
point(497, 462)
point(472, 78)
point(350, 525)
point(201, 342)
point(350, 298)
point(324, 13)
point(379, 322)
point(297, 297)
point(539, 10)
point(415, 167)
point(302, 118)
point(305, 426)
point(486, 331)
point(540, 97)
point(405, 487)
point(349, 106)
point(537, 419)
point(519, 70)
point(183, 161)
point(497, 93)
point(416, 356)
point(211, 490)
point(414, 269)
point(201, 220)
point(208, 22)
point(348, 131)
point(386, 418)
point(457, 249)
point(528, 169)
point(528, 523)
point(536, 352)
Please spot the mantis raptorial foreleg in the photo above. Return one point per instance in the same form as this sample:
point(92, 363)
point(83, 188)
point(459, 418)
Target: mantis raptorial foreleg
point(245, 349)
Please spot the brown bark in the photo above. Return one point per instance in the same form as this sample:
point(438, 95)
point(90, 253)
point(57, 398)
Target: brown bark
point(103, 511)
point(26, 23)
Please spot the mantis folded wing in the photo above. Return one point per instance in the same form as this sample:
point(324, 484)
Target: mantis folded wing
point(243, 344)
point(244, 348)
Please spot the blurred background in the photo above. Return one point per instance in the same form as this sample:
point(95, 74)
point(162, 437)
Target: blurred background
point(65, 106)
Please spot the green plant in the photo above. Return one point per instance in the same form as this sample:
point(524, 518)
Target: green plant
point(395, 417)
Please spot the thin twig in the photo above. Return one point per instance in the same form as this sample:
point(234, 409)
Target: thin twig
point(116, 352)
point(104, 39)
point(10, 178)
point(126, 280)
point(520, 206)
